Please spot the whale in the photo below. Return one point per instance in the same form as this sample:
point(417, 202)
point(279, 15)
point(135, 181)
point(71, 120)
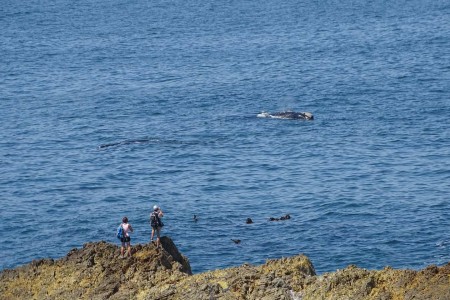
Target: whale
point(127, 142)
point(290, 115)
point(283, 218)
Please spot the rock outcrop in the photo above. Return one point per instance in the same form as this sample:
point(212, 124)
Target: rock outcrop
point(97, 272)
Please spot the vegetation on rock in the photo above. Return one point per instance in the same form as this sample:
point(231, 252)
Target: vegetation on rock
point(97, 272)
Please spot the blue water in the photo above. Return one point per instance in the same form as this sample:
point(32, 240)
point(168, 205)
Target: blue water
point(366, 183)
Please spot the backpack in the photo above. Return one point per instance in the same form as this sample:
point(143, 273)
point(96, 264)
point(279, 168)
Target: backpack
point(155, 221)
point(120, 232)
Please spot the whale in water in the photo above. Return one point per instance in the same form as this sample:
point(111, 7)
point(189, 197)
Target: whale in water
point(127, 142)
point(291, 115)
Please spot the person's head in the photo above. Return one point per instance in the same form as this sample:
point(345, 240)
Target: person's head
point(155, 207)
point(125, 220)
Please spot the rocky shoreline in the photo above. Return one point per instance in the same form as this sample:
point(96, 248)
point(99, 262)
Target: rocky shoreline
point(97, 272)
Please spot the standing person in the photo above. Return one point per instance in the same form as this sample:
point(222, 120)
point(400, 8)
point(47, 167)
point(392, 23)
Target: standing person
point(126, 240)
point(156, 223)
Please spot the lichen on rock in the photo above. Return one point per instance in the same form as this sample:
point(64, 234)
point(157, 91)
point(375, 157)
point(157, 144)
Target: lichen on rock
point(97, 272)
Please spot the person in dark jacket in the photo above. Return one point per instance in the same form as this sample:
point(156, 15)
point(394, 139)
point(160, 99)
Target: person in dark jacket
point(156, 224)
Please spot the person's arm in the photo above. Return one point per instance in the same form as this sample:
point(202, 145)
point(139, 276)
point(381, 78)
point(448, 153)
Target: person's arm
point(131, 228)
point(160, 214)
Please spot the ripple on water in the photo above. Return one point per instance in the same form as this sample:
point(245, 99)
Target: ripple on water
point(366, 182)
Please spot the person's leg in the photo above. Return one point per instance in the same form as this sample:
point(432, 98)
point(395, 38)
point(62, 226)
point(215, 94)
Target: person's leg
point(129, 248)
point(122, 249)
point(153, 233)
point(158, 235)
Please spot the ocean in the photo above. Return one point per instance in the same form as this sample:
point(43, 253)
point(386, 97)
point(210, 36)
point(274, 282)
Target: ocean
point(110, 107)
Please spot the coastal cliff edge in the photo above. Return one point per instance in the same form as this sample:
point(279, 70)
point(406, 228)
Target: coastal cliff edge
point(97, 272)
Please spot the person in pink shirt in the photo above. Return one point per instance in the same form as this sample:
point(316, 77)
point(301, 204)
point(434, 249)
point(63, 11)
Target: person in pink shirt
point(126, 240)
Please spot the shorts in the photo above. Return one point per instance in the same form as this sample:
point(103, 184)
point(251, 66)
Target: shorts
point(157, 229)
point(126, 239)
